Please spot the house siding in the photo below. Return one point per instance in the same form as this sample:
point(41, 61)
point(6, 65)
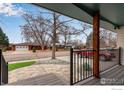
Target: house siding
point(13, 47)
point(120, 42)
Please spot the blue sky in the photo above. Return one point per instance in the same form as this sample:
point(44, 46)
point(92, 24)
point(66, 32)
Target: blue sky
point(10, 19)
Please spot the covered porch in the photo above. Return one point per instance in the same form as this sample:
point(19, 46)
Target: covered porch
point(107, 16)
point(110, 77)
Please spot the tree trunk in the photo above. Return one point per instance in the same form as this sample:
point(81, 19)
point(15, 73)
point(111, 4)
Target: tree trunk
point(53, 50)
point(42, 48)
point(65, 44)
point(54, 38)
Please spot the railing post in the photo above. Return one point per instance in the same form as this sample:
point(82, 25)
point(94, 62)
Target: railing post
point(0, 66)
point(119, 58)
point(71, 66)
point(4, 71)
point(96, 27)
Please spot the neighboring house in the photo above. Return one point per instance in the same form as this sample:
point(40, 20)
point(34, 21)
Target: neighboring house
point(25, 46)
point(61, 46)
point(103, 42)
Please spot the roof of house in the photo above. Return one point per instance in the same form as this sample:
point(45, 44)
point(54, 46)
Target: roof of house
point(25, 44)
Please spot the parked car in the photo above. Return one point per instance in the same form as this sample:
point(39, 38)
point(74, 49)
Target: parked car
point(104, 55)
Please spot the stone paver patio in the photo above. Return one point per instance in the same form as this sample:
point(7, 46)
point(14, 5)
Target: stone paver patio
point(38, 69)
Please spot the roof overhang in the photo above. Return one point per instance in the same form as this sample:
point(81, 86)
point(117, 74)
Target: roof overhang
point(111, 15)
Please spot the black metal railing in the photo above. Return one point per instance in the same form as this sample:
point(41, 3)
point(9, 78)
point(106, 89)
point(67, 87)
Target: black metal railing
point(81, 66)
point(109, 58)
point(3, 70)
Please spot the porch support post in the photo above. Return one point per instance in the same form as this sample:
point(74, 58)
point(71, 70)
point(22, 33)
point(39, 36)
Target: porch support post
point(96, 26)
point(0, 67)
point(71, 66)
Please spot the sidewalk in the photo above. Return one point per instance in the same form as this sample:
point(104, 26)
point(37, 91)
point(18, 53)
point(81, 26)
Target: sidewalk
point(64, 58)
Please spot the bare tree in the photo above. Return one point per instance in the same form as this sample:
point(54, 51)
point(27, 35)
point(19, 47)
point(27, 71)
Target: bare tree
point(107, 39)
point(84, 28)
point(35, 30)
point(56, 26)
point(42, 28)
point(67, 32)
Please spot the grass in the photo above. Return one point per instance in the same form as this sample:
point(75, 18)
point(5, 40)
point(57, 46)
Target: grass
point(14, 66)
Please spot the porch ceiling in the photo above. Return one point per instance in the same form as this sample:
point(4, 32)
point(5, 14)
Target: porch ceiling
point(111, 15)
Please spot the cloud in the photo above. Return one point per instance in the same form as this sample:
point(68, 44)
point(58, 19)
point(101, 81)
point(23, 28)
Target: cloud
point(10, 9)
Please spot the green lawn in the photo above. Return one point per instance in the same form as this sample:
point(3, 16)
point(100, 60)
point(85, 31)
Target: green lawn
point(14, 66)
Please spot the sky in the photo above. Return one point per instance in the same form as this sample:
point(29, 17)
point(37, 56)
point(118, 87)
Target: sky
point(11, 20)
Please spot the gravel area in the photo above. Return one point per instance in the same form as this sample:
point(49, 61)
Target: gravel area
point(53, 62)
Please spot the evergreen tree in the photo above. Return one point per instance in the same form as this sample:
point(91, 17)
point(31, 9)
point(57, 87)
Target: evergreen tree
point(4, 41)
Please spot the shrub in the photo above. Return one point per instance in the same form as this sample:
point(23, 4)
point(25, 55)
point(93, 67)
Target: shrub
point(34, 49)
point(86, 67)
point(4, 49)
